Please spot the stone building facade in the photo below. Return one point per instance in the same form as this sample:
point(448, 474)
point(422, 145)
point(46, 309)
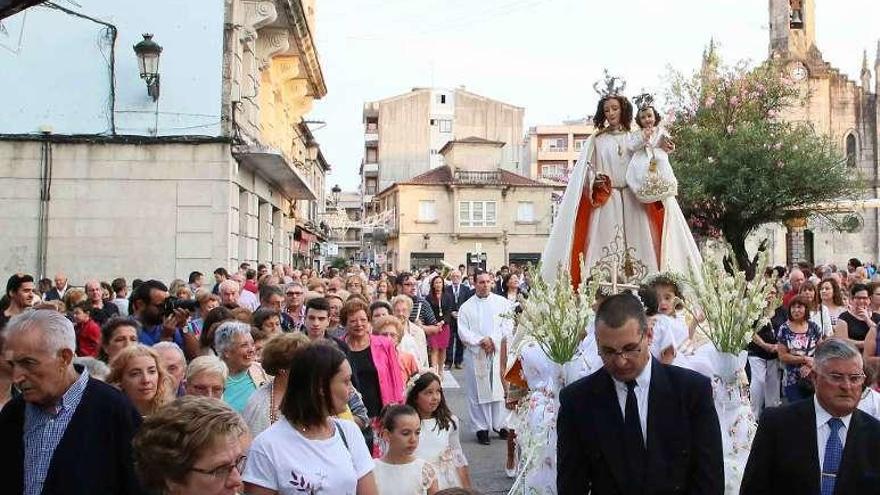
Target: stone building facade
point(842, 108)
point(101, 180)
point(469, 211)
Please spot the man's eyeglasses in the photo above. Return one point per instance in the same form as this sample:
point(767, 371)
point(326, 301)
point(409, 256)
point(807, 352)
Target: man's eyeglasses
point(294, 293)
point(631, 352)
point(222, 473)
point(842, 379)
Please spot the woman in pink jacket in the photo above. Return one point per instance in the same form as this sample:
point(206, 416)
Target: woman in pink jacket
point(373, 360)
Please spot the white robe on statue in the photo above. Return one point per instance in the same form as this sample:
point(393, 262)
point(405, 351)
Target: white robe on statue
point(622, 224)
point(479, 318)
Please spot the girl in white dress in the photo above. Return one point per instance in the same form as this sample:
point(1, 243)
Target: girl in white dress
point(439, 442)
point(400, 472)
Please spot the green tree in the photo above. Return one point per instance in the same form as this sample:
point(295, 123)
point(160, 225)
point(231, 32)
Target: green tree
point(339, 263)
point(739, 164)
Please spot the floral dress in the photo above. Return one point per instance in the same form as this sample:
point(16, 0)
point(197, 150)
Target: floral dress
point(442, 449)
point(798, 344)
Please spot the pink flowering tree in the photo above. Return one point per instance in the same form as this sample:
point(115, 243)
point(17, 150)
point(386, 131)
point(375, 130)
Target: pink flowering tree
point(739, 164)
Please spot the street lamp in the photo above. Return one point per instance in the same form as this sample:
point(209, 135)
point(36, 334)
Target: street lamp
point(148, 52)
point(334, 196)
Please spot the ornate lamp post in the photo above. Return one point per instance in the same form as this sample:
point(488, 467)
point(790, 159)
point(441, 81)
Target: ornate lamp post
point(148, 52)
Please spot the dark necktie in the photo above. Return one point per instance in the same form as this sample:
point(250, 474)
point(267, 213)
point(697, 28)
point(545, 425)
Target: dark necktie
point(636, 453)
point(833, 454)
point(455, 292)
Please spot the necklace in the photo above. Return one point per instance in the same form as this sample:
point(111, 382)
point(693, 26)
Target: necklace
point(273, 411)
point(618, 132)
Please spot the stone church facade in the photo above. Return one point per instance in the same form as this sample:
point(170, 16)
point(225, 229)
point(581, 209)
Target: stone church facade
point(844, 109)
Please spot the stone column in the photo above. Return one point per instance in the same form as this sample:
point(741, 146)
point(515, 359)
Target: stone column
point(265, 232)
point(248, 231)
point(795, 246)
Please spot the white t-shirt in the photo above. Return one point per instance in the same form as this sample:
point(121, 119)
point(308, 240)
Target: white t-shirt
point(283, 460)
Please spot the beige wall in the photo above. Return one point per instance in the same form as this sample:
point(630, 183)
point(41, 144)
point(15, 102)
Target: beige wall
point(405, 133)
point(445, 235)
point(404, 139)
point(490, 119)
point(145, 211)
point(479, 157)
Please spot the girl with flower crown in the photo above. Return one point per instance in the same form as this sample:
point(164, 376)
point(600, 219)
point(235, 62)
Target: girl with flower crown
point(439, 441)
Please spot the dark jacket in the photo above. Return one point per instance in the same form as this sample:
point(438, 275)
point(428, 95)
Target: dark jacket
point(94, 455)
point(464, 293)
point(443, 308)
point(684, 437)
point(53, 294)
point(784, 456)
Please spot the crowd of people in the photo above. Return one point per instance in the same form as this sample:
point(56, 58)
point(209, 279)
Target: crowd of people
point(276, 380)
point(265, 380)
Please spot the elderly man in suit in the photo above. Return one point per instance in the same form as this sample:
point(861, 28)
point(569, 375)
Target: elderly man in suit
point(822, 445)
point(57, 292)
point(459, 293)
point(66, 432)
point(637, 426)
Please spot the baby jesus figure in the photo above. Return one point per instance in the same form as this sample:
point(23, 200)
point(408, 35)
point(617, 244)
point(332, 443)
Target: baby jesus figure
point(649, 174)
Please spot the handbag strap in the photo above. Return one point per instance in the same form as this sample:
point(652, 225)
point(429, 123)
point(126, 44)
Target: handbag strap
point(342, 435)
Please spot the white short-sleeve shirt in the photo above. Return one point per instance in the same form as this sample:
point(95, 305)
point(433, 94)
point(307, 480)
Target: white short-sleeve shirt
point(283, 460)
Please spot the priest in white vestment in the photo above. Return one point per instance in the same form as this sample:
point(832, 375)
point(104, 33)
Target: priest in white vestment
point(484, 325)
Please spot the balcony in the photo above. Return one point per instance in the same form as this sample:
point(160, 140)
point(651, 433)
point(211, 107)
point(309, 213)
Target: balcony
point(371, 169)
point(555, 176)
point(562, 154)
point(478, 176)
point(271, 163)
point(371, 139)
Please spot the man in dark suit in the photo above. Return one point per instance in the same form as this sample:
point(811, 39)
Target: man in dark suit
point(637, 426)
point(57, 292)
point(66, 433)
point(822, 445)
point(459, 294)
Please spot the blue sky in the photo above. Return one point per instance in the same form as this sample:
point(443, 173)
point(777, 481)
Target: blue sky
point(543, 55)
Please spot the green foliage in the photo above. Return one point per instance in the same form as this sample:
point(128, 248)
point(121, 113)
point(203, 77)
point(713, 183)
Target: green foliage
point(339, 263)
point(738, 164)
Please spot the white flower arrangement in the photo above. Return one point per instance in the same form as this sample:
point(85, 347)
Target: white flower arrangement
point(556, 316)
point(730, 304)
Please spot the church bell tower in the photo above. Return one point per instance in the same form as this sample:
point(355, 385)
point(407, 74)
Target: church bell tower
point(793, 29)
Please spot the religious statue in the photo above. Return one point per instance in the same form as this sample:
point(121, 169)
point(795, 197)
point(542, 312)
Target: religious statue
point(620, 232)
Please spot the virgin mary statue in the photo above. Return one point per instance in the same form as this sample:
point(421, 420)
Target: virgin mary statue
point(602, 219)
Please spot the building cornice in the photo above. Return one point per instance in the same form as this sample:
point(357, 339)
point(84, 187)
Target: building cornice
point(305, 44)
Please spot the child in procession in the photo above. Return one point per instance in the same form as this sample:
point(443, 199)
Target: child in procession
point(400, 472)
point(439, 442)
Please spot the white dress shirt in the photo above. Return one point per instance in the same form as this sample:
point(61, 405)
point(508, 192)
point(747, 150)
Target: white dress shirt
point(643, 386)
point(823, 430)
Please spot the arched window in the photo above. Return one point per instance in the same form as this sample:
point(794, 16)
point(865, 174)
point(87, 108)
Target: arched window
point(851, 151)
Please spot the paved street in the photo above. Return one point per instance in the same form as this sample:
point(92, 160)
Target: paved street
point(486, 462)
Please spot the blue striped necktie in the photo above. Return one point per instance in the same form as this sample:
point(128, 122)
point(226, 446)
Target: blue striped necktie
point(833, 453)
